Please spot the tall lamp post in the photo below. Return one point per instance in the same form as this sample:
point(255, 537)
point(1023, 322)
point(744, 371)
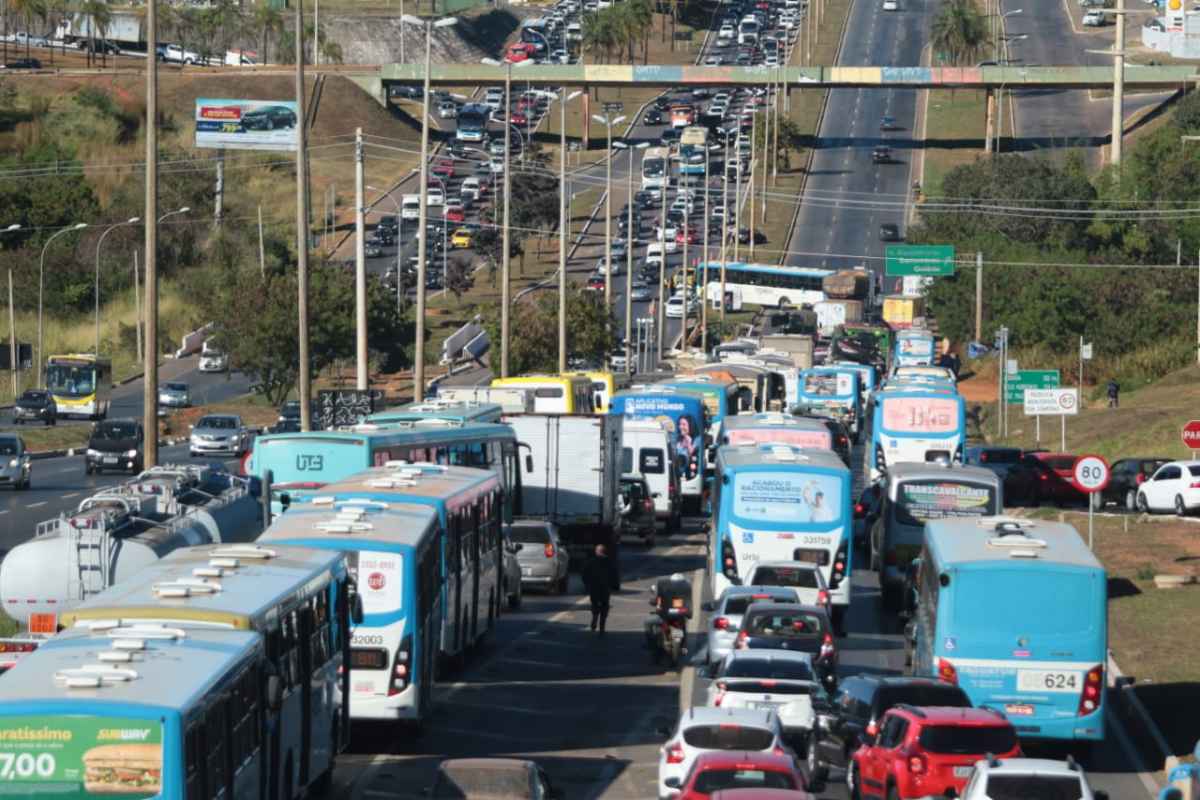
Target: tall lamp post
point(111, 228)
point(41, 355)
point(629, 252)
point(608, 123)
point(1118, 55)
point(564, 229)
point(422, 239)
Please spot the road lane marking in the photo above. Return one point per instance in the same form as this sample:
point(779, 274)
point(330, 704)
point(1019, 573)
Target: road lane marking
point(491, 707)
point(36, 505)
point(69, 496)
point(5, 511)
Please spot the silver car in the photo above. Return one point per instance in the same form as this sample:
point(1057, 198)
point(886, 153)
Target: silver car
point(15, 463)
point(543, 557)
point(511, 573)
point(174, 395)
point(725, 614)
point(218, 434)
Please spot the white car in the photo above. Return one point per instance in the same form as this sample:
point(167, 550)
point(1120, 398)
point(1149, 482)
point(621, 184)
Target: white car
point(803, 577)
point(1029, 777)
point(674, 308)
point(782, 681)
point(447, 109)
point(704, 730)
point(213, 361)
point(470, 188)
point(891, 5)
point(726, 32)
point(1174, 487)
point(434, 196)
point(1093, 18)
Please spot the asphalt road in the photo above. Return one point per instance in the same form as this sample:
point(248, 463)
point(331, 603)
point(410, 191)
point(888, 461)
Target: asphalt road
point(847, 196)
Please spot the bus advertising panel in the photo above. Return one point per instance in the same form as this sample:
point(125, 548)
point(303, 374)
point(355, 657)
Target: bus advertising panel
point(921, 415)
point(785, 498)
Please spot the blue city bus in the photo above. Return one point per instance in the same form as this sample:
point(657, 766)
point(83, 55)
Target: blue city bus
point(720, 397)
point(776, 502)
point(142, 711)
point(1015, 612)
point(867, 376)
point(914, 348)
point(454, 413)
point(468, 507)
point(301, 464)
point(296, 598)
point(916, 425)
point(394, 552)
point(836, 391)
point(688, 415)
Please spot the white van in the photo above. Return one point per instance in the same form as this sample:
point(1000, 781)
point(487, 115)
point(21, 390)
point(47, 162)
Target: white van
point(748, 31)
point(646, 449)
point(410, 206)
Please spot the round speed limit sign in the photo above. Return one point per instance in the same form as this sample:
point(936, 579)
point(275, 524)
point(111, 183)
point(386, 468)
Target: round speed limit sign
point(1090, 474)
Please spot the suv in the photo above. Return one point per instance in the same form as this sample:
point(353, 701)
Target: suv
point(115, 444)
point(1052, 481)
point(772, 680)
point(928, 752)
point(1126, 476)
point(1029, 777)
point(35, 405)
point(860, 702)
point(790, 626)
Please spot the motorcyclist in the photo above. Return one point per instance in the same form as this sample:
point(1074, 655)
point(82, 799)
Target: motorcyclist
point(672, 605)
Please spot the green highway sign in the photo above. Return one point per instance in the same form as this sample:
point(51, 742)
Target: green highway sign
point(1029, 379)
point(919, 259)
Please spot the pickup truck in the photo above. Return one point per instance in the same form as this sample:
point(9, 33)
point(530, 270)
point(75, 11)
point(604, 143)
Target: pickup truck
point(177, 55)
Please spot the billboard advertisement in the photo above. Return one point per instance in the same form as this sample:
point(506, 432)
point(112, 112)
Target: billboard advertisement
point(246, 124)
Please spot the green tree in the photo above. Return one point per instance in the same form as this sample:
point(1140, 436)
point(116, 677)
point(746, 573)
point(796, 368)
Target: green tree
point(534, 344)
point(959, 31)
point(269, 23)
point(27, 9)
point(600, 33)
point(100, 17)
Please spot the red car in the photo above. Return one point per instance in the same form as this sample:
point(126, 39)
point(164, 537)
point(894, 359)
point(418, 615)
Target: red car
point(722, 770)
point(443, 168)
point(455, 214)
point(518, 117)
point(693, 236)
point(761, 794)
point(516, 54)
point(1052, 478)
point(595, 282)
point(929, 751)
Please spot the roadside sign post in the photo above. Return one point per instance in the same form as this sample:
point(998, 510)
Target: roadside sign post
point(920, 260)
point(1191, 435)
point(1019, 381)
point(1053, 402)
point(1090, 475)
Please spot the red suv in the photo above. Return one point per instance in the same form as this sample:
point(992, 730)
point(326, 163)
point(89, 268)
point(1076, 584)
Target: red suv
point(1052, 478)
point(721, 770)
point(928, 751)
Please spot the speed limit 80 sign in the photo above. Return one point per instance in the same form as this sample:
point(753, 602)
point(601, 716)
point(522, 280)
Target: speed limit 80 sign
point(1090, 474)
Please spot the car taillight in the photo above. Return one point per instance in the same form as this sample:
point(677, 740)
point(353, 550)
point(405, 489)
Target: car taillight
point(674, 753)
point(401, 667)
point(947, 672)
point(549, 550)
point(1140, 479)
point(827, 648)
point(822, 598)
point(872, 728)
point(729, 561)
point(983, 457)
point(721, 624)
point(916, 764)
point(1093, 685)
point(648, 505)
point(841, 565)
point(1045, 476)
point(1194, 485)
point(741, 640)
point(779, 751)
point(720, 695)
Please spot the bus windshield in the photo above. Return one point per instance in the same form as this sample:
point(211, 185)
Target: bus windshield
point(922, 415)
point(788, 498)
point(828, 384)
point(917, 502)
point(70, 380)
point(1054, 603)
point(653, 167)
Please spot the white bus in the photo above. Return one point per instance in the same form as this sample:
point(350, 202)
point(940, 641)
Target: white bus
point(765, 284)
point(656, 168)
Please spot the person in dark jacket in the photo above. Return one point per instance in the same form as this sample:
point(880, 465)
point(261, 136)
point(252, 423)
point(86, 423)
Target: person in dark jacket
point(599, 577)
point(1114, 393)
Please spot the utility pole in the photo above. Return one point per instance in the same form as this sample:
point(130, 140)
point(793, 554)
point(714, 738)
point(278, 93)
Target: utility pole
point(704, 268)
point(12, 336)
point(360, 266)
point(629, 265)
point(660, 315)
point(564, 231)
point(724, 219)
point(262, 253)
point(505, 300)
point(737, 199)
point(137, 305)
point(685, 290)
point(150, 365)
point(753, 165)
point(1118, 102)
point(302, 238)
point(219, 202)
point(978, 296)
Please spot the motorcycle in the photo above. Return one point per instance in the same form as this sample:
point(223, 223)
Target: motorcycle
point(666, 629)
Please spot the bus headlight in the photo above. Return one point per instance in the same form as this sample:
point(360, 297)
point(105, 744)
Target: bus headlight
point(131, 454)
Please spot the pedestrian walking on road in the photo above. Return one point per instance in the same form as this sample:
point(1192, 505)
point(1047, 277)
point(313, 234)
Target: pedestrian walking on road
point(1114, 392)
point(599, 576)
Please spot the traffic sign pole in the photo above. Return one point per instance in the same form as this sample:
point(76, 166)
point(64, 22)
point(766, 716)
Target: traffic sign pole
point(1090, 475)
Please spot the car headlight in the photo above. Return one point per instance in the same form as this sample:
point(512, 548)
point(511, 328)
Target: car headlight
point(93, 453)
point(13, 463)
point(131, 454)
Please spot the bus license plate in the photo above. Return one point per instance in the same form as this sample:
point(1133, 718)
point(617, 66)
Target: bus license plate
point(1049, 680)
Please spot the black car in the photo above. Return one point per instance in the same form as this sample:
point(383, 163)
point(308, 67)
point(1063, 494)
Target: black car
point(881, 155)
point(24, 63)
point(662, 102)
point(669, 136)
point(35, 405)
point(889, 233)
point(291, 425)
point(653, 117)
point(269, 118)
point(838, 432)
point(289, 410)
point(1124, 478)
point(115, 444)
point(860, 703)
point(789, 626)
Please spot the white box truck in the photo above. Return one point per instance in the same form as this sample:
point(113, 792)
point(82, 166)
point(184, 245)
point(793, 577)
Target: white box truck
point(575, 477)
point(646, 449)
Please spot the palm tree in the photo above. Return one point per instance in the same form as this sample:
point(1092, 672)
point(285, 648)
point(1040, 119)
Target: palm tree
point(959, 32)
point(27, 9)
point(599, 33)
point(640, 15)
point(269, 22)
point(99, 18)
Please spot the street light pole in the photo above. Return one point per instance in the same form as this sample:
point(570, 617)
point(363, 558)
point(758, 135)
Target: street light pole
point(660, 321)
point(360, 267)
point(607, 121)
point(111, 228)
point(41, 353)
point(724, 218)
point(564, 229)
point(704, 273)
point(629, 250)
point(302, 238)
point(423, 208)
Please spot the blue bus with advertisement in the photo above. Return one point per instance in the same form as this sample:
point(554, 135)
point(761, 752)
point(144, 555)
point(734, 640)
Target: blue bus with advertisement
point(1015, 611)
point(916, 425)
point(836, 391)
point(776, 502)
point(688, 416)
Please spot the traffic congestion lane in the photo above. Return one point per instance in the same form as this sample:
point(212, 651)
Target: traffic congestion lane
point(847, 196)
point(588, 708)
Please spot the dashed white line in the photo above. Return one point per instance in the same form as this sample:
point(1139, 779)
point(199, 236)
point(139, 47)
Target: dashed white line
point(36, 505)
point(69, 496)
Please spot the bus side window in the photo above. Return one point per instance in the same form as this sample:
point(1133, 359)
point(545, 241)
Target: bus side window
point(194, 768)
point(319, 640)
point(216, 749)
point(244, 707)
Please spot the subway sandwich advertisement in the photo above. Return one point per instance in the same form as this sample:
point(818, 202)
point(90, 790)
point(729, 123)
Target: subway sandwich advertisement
point(77, 757)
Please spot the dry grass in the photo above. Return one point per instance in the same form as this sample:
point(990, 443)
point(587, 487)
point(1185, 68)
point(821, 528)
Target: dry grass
point(955, 127)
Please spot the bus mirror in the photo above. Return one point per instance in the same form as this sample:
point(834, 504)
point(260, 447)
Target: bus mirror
point(356, 608)
point(528, 462)
point(943, 580)
point(274, 692)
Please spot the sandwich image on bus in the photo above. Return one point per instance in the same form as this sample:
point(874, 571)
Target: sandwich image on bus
point(1014, 611)
point(782, 503)
point(916, 425)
